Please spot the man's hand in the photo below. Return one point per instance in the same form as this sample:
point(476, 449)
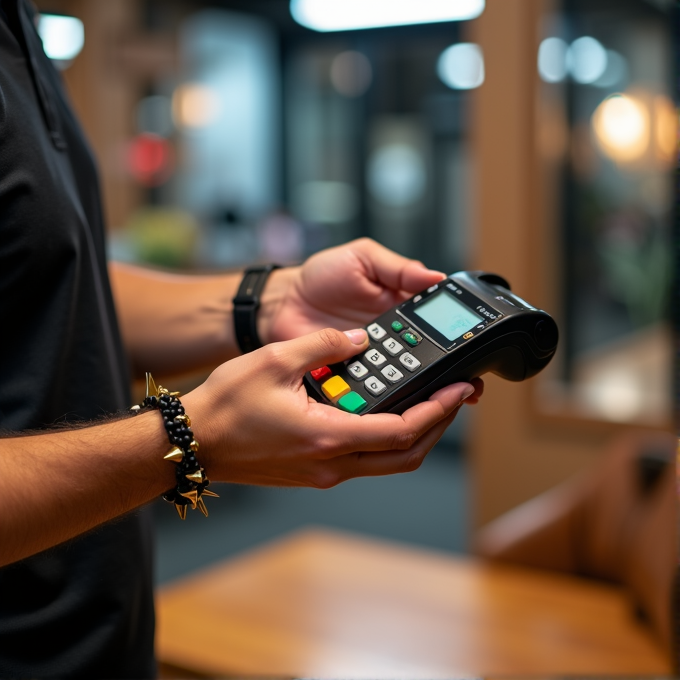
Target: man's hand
point(256, 424)
point(342, 288)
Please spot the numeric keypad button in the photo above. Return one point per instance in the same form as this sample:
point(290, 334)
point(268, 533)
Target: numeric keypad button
point(409, 362)
point(376, 331)
point(375, 357)
point(357, 370)
point(374, 386)
point(391, 373)
point(392, 346)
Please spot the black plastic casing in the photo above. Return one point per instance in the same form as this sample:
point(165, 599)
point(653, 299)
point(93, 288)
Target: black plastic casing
point(514, 340)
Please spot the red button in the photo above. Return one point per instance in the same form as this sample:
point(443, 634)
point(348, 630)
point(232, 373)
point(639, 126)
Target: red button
point(320, 373)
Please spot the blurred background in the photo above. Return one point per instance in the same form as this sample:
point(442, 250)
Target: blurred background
point(536, 141)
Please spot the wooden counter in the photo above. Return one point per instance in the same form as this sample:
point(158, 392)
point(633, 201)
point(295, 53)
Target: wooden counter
point(326, 604)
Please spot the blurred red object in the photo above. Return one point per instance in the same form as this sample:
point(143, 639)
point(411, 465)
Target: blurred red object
point(150, 159)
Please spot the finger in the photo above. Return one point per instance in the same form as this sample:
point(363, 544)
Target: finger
point(392, 270)
point(327, 346)
point(372, 464)
point(342, 433)
point(478, 384)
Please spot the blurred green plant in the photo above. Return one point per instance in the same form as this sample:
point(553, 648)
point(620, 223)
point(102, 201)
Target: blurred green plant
point(638, 274)
point(165, 237)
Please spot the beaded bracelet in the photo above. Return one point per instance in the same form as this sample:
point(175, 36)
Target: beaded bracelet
point(192, 482)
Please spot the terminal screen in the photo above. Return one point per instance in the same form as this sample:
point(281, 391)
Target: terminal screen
point(447, 316)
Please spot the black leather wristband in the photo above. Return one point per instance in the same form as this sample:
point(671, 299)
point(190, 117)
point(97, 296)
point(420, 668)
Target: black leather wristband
point(246, 304)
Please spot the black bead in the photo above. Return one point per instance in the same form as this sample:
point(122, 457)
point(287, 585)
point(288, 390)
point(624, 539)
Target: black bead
point(189, 432)
point(153, 400)
point(181, 410)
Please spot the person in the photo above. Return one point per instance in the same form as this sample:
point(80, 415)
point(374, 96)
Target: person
point(75, 584)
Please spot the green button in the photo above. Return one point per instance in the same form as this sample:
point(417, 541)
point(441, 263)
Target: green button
point(352, 402)
point(397, 326)
point(411, 339)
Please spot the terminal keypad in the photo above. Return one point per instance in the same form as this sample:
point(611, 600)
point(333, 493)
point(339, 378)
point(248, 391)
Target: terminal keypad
point(371, 374)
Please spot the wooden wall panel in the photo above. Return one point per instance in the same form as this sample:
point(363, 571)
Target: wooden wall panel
point(515, 453)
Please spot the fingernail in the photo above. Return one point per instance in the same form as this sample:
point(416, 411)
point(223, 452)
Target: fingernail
point(357, 336)
point(467, 392)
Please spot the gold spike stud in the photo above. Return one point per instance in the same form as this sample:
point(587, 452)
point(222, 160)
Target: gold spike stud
point(207, 492)
point(192, 496)
point(175, 455)
point(151, 389)
point(194, 446)
point(174, 394)
point(201, 506)
point(184, 418)
point(181, 511)
point(195, 476)
point(162, 390)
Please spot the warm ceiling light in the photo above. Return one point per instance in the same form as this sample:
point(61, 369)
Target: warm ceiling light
point(621, 125)
point(62, 36)
point(666, 128)
point(195, 105)
point(348, 15)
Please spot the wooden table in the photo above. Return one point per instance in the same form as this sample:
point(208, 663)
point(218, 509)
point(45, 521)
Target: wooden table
point(326, 604)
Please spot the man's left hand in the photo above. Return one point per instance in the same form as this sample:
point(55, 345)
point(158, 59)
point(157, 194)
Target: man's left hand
point(343, 287)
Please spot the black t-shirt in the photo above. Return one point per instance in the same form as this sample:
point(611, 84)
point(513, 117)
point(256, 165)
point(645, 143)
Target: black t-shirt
point(85, 608)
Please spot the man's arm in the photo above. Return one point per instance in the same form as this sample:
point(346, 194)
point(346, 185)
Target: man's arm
point(173, 323)
point(58, 485)
point(254, 423)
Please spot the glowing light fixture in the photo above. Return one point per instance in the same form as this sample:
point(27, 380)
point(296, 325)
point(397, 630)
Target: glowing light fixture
point(348, 15)
point(461, 66)
point(586, 60)
point(396, 175)
point(616, 395)
point(195, 105)
point(552, 60)
point(666, 128)
point(621, 126)
point(63, 37)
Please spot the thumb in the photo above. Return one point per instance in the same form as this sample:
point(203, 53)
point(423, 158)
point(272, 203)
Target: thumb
point(327, 346)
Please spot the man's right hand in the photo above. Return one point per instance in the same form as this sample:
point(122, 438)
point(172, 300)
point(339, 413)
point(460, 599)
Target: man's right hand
point(256, 424)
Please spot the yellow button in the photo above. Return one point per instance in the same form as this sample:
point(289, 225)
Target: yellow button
point(335, 387)
point(467, 336)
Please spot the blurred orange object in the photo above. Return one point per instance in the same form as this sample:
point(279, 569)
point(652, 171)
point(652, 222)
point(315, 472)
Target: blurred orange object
point(616, 522)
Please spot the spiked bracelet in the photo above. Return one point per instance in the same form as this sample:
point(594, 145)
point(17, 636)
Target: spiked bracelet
point(192, 482)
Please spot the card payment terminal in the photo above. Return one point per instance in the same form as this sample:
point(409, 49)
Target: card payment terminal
point(466, 325)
